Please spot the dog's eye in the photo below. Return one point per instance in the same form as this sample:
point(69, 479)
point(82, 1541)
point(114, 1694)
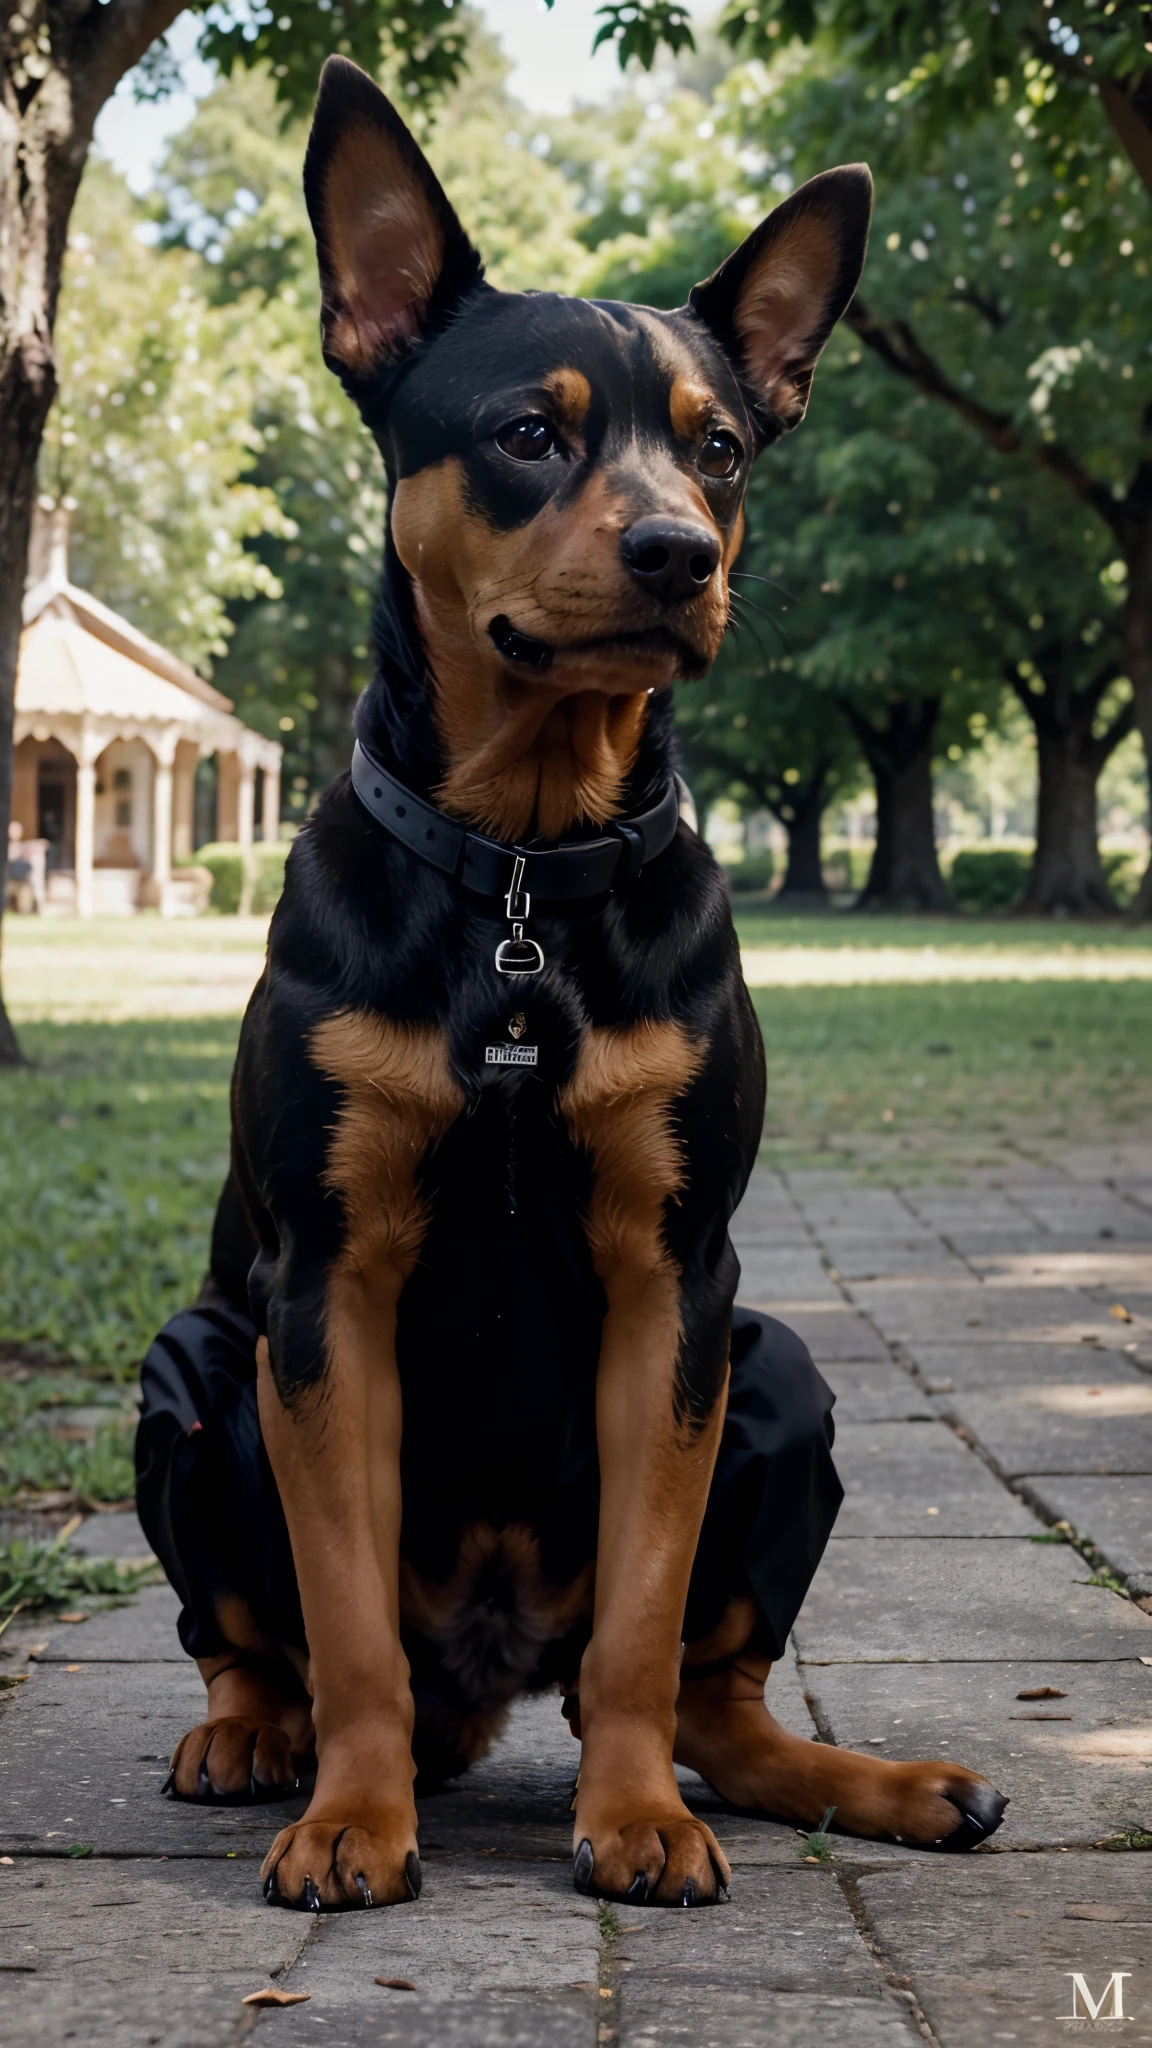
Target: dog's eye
point(527, 440)
point(719, 454)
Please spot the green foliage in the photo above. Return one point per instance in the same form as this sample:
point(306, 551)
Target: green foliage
point(988, 878)
point(94, 1466)
point(816, 1847)
point(34, 1576)
point(153, 434)
point(266, 869)
point(225, 864)
point(753, 875)
point(113, 1149)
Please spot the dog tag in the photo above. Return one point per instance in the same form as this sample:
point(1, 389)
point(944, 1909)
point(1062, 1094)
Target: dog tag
point(511, 1055)
point(518, 955)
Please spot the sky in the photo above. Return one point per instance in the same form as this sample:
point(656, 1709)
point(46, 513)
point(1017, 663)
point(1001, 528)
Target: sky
point(552, 68)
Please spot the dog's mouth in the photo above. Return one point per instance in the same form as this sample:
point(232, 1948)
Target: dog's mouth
point(651, 645)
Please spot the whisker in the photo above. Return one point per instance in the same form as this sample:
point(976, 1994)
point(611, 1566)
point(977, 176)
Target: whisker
point(748, 576)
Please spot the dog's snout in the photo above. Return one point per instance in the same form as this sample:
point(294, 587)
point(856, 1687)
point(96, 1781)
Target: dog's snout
point(670, 557)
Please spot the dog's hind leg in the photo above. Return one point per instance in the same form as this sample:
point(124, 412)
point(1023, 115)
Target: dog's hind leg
point(770, 1511)
point(724, 1731)
point(256, 1739)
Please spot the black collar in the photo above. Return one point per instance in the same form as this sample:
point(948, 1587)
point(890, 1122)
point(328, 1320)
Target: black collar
point(589, 867)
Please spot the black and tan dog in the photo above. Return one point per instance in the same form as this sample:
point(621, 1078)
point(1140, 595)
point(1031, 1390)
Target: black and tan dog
point(464, 1409)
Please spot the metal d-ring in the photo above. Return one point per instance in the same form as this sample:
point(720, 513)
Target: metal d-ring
point(518, 955)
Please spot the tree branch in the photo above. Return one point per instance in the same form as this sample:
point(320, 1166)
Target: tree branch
point(896, 344)
point(109, 43)
point(1129, 126)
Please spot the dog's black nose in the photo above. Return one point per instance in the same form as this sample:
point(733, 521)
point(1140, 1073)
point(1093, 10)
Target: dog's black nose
point(669, 557)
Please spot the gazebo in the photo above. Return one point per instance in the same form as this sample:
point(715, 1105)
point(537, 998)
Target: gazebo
point(111, 731)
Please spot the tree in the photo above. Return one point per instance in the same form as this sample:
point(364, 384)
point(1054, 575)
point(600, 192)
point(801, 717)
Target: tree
point(1021, 229)
point(60, 61)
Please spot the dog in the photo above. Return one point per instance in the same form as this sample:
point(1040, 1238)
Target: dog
point(464, 1409)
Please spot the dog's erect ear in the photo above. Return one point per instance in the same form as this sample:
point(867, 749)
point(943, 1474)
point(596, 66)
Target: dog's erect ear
point(776, 299)
point(393, 257)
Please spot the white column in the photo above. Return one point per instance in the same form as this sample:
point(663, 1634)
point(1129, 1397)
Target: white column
point(85, 824)
point(164, 753)
point(246, 803)
point(270, 807)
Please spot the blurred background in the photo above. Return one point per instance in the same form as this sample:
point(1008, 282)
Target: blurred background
point(919, 755)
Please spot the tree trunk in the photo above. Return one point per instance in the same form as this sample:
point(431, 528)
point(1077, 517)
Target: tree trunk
point(905, 872)
point(1067, 878)
point(1138, 662)
point(58, 65)
point(804, 887)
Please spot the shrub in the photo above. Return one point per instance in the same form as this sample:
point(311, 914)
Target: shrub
point(266, 874)
point(225, 864)
point(753, 875)
point(1123, 872)
point(989, 878)
point(253, 883)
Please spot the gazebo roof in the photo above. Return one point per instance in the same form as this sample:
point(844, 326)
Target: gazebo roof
point(82, 668)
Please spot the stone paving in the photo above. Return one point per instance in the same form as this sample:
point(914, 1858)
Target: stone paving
point(990, 1342)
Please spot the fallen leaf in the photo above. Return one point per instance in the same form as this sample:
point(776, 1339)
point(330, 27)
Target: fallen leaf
point(272, 1996)
point(1042, 1692)
point(1120, 1312)
point(6, 1859)
point(72, 1617)
point(1146, 1660)
point(73, 1667)
point(395, 1983)
point(36, 1651)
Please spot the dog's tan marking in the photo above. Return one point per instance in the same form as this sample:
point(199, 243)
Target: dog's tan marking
point(571, 395)
point(724, 1731)
point(399, 1099)
point(654, 1471)
point(691, 405)
point(384, 248)
point(618, 1106)
point(493, 1618)
point(540, 750)
point(336, 1457)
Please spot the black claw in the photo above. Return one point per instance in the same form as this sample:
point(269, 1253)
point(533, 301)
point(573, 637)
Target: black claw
point(364, 1888)
point(637, 1892)
point(413, 1875)
point(310, 1896)
point(688, 1897)
point(980, 1816)
point(169, 1784)
point(272, 1890)
point(583, 1866)
point(203, 1781)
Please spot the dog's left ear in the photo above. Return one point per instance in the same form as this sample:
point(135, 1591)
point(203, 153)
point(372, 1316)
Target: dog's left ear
point(394, 259)
point(773, 303)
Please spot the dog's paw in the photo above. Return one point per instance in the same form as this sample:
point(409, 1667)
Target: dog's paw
point(329, 1865)
point(233, 1761)
point(664, 1862)
point(941, 1806)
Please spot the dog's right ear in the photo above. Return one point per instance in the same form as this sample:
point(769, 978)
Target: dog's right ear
point(394, 259)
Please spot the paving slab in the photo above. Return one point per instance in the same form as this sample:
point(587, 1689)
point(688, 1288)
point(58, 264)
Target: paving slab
point(396, 2019)
point(118, 1535)
point(980, 1312)
point(971, 1366)
point(142, 1632)
point(832, 1331)
point(1070, 1780)
point(1115, 1514)
point(727, 2019)
point(1097, 1425)
point(1069, 1263)
point(920, 1479)
point(876, 1391)
point(132, 1953)
point(781, 1930)
point(879, 1601)
point(989, 1942)
point(796, 1274)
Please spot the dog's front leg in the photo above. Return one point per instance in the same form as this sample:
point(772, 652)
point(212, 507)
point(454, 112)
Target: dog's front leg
point(333, 1436)
point(634, 1836)
point(659, 1413)
point(335, 1451)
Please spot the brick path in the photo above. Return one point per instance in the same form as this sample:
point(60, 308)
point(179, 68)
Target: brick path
point(986, 1391)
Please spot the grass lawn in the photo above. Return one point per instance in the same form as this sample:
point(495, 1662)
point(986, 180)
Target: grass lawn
point(113, 1145)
